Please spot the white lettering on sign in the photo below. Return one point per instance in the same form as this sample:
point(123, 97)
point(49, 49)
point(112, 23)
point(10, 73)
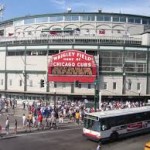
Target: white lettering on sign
point(62, 55)
point(64, 64)
point(71, 64)
point(71, 55)
point(84, 65)
point(83, 56)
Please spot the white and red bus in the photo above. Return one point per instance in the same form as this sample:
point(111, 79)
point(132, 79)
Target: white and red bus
point(115, 124)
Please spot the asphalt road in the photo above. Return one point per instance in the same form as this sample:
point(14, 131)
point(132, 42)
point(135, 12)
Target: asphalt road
point(69, 138)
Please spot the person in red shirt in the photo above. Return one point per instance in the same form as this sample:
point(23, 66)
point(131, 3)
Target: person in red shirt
point(40, 119)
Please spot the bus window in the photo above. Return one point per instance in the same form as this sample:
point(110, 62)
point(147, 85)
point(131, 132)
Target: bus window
point(92, 124)
point(105, 124)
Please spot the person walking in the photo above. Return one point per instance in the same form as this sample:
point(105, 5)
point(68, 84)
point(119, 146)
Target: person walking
point(77, 116)
point(1, 131)
point(99, 146)
point(7, 126)
point(24, 105)
point(15, 129)
point(24, 120)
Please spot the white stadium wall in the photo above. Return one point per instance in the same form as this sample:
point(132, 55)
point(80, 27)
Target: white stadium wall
point(2, 60)
point(101, 33)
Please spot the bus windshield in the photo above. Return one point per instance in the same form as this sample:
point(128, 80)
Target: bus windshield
point(93, 125)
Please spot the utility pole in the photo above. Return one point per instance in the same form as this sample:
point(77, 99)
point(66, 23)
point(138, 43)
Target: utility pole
point(97, 95)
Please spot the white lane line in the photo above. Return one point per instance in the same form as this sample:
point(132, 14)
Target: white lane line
point(48, 131)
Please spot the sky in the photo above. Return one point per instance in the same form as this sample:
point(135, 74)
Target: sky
point(20, 8)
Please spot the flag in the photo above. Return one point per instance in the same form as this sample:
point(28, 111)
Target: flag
point(102, 31)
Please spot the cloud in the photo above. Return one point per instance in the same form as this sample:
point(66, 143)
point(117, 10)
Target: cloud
point(58, 2)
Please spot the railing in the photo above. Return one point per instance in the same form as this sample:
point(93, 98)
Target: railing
point(84, 39)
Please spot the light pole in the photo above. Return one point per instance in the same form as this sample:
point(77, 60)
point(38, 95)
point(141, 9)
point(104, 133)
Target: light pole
point(124, 80)
point(96, 94)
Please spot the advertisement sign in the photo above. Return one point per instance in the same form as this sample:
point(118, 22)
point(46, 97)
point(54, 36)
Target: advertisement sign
point(71, 66)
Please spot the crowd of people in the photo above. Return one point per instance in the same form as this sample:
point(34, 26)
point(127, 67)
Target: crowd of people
point(4, 103)
point(43, 115)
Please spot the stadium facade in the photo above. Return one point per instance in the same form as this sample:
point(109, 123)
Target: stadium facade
point(118, 44)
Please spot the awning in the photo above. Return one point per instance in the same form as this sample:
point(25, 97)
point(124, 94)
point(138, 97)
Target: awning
point(54, 29)
point(58, 30)
point(68, 30)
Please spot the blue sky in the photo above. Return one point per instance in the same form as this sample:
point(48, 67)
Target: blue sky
point(18, 8)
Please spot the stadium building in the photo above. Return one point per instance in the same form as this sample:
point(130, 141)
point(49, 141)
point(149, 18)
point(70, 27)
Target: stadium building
point(73, 54)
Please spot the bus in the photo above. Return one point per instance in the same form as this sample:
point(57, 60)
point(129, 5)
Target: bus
point(114, 124)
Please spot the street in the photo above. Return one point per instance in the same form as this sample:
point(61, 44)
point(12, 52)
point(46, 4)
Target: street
point(69, 138)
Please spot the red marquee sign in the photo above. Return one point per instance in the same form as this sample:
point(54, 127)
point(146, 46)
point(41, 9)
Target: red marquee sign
point(71, 66)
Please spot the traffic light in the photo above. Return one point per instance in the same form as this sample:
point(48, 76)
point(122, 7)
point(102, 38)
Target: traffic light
point(42, 83)
point(77, 83)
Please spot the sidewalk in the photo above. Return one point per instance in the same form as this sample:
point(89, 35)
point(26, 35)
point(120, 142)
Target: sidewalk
point(21, 130)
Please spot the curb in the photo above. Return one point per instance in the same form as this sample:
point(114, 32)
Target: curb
point(8, 137)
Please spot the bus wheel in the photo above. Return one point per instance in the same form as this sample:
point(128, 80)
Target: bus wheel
point(114, 136)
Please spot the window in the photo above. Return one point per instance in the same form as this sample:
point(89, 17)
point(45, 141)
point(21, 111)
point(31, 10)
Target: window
point(20, 82)
point(55, 85)
point(122, 19)
point(114, 86)
point(79, 85)
point(68, 18)
point(1, 32)
point(105, 85)
point(92, 124)
point(129, 85)
point(131, 20)
point(115, 19)
point(71, 18)
point(137, 20)
point(88, 18)
point(107, 18)
point(75, 18)
point(144, 21)
point(100, 18)
point(138, 86)
point(89, 86)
